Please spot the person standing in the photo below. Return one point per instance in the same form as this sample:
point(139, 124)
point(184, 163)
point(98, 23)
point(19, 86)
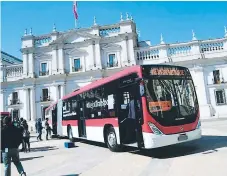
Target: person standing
point(11, 138)
point(21, 127)
point(26, 137)
point(39, 129)
point(48, 130)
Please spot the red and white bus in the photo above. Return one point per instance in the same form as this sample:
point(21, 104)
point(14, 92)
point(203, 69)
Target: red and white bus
point(4, 115)
point(146, 106)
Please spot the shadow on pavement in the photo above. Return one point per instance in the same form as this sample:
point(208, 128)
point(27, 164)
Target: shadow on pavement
point(205, 145)
point(45, 148)
point(30, 158)
point(71, 175)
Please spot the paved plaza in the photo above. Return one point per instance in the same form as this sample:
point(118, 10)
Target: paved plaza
point(205, 157)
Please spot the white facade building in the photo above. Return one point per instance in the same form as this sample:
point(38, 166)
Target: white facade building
point(58, 63)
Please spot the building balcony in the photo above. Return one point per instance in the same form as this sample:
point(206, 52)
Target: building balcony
point(43, 73)
point(76, 69)
point(217, 83)
point(220, 81)
point(180, 52)
point(12, 72)
point(111, 65)
point(14, 102)
point(45, 99)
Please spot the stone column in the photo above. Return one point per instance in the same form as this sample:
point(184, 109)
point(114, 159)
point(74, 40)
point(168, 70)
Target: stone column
point(94, 53)
point(90, 57)
point(54, 61)
point(56, 91)
point(62, 90)
point(25, 64)
point(2, 73)
point(98, 55)
point(2, 101)
point(31, 65)
point(200, 82)
point(5, 100)
point(125, 61)
point(26, 105)
point(61, 61)
point(33, 104)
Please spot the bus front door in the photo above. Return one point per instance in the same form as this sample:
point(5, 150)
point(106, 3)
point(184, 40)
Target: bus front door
point(54, 121)
point(130, 116)
point(81, 121)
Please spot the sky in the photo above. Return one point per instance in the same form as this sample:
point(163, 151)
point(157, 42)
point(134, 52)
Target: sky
point(175, 20)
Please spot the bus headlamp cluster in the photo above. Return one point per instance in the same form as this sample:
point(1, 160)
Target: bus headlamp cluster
point(154, 129)
point(198, 125)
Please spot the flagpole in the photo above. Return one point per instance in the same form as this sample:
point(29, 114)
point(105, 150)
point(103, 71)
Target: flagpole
point(75, 14)
point(75, 23)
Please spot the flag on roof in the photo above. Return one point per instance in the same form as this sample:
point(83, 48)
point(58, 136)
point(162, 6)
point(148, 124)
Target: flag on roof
point(75, 9)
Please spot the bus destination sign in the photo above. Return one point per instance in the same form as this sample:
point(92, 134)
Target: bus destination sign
point(168, 71)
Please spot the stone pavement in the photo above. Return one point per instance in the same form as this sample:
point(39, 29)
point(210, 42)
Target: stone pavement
point(205, 157)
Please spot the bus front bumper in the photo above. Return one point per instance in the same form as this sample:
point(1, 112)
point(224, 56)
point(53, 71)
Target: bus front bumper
point(154, 141)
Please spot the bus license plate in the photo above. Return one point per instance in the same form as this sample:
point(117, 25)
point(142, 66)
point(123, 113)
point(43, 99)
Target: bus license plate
point(182, 137)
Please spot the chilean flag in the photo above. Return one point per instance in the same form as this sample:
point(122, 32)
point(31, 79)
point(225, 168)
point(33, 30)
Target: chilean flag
point(75, 9)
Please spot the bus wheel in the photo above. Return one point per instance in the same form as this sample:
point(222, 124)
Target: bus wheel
point(70, 133)
point(111, 140)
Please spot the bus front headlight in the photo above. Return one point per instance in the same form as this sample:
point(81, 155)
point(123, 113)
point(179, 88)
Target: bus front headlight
point(154, 129)
point(198, 124)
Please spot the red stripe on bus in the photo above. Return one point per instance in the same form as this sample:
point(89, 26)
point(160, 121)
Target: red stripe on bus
point(101, 122)
point(70, 122)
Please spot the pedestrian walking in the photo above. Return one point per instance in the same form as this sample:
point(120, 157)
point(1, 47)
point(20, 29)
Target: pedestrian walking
point(21, 127)
point(48, 129)
point(36, 126)
point(26, 137)
point(11, 138)
point(39, 129)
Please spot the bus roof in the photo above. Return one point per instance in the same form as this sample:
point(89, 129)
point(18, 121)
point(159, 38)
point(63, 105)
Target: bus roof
point(4, 113)
point(99, 82)
point(105, 80)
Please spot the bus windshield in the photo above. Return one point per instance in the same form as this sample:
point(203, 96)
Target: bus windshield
point(171, 101)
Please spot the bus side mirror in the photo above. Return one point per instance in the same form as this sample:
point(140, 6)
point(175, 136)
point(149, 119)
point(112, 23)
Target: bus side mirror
point(138, 80)
point(142, 90)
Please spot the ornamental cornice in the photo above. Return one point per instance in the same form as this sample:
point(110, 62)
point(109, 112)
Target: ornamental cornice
point(126, 36)
point(27, 37)
point(27, 50)
point(110, 46)
point(74, 51)
point(25, 87)
point(43, 56)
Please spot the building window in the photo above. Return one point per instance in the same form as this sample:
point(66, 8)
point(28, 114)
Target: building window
point(45, 96)
point(112, 61)
point(220, 97)
point(14, 98)
point(76, 65)
point(15, 114)
point(216, 75)
point(44, 70)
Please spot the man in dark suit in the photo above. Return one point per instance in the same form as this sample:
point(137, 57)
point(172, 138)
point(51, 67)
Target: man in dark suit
point(11, 138)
